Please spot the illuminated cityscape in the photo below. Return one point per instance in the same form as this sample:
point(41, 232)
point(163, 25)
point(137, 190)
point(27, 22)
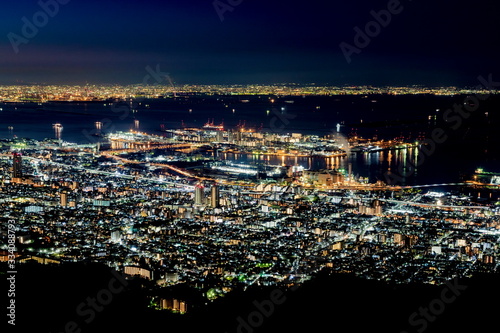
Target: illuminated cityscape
point(46, 93)
point(235, 166)
point(126, 202)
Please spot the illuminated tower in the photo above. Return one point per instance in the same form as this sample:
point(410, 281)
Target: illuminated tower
point(199, 195)
point(64, 199)
point(17, 164)
point(350, 172)
point(58, 131)
point(377, 207)
point(214, 196)
point(98, 127)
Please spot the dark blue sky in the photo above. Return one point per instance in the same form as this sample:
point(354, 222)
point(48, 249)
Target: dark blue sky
point(260, 41)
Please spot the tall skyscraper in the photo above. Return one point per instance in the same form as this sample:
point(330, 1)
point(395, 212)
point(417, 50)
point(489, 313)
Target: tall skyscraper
point(220, 136)
point(64, 199)
point(350, 172)
point(214, 196)
point(116, 236)
point(199, 195)
point(17, 165)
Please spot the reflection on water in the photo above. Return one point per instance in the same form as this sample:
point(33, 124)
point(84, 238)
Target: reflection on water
point(455, 157)
point(373, 165)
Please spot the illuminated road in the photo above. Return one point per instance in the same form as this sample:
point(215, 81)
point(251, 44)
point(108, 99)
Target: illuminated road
point(411, 203)
point(159, 147)
point(112, 174)
point(167, 166)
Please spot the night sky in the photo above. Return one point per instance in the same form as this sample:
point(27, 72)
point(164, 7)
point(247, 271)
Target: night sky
point(105, 41)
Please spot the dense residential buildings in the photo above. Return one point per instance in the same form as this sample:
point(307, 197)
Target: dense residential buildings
point(152, 220)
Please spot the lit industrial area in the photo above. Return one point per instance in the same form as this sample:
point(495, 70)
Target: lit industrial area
point(127, 203)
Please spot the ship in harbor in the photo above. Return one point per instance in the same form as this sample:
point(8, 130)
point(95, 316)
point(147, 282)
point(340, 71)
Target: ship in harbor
point(486, 178)
point(383, 145)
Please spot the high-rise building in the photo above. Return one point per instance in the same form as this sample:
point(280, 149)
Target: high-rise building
point(238, 136)
point(219, 136)
point(17, 165)
point(116, 236)
point(64, 199)
point(214, 196)
point(377, 207)
point(350, 172)
point(199, 195)
point(399, 239)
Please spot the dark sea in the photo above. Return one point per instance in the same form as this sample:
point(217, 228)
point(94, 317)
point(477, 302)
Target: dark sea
point(470, 142)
